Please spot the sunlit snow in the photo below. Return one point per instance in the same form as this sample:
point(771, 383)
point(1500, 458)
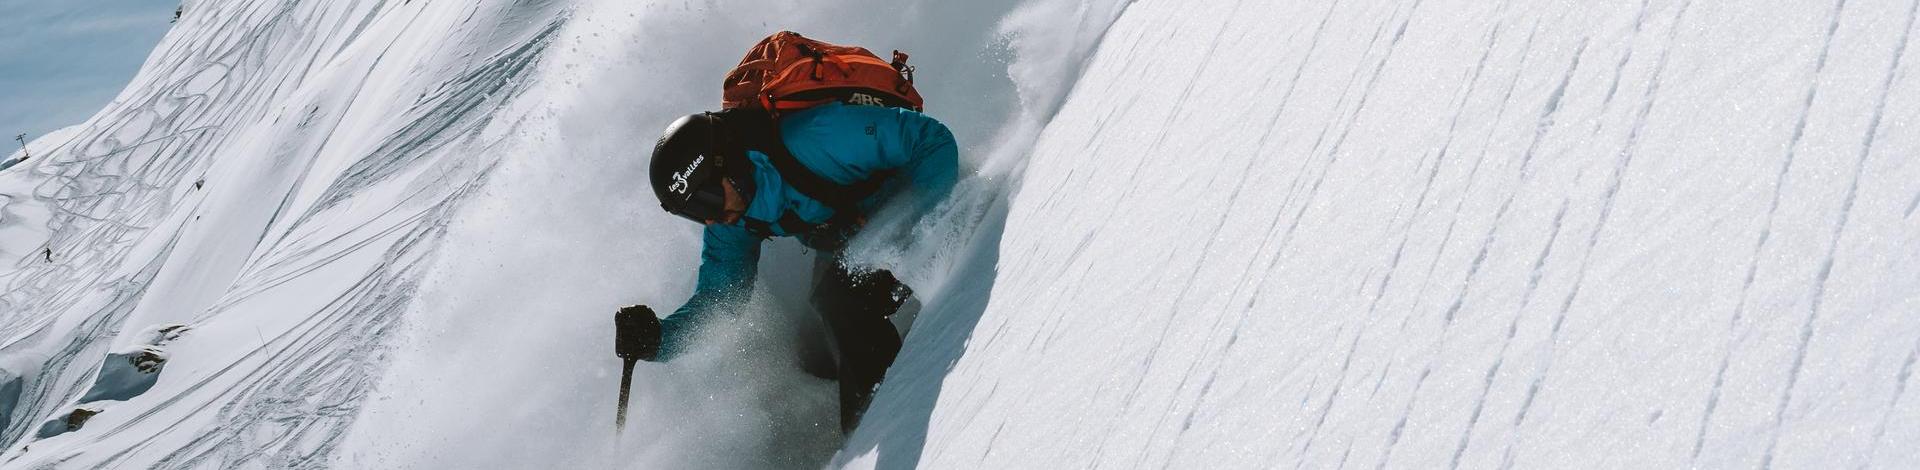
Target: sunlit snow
point(1194, 234)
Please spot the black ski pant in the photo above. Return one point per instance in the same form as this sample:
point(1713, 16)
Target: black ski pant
point(854, 306)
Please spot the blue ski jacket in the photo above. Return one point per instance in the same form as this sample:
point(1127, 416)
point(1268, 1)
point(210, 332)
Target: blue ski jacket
point(841, 143)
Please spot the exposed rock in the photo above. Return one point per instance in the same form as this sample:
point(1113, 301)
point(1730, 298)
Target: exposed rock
point(68, 422)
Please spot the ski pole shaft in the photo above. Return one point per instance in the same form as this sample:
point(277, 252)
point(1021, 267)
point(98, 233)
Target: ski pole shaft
point(626, 386)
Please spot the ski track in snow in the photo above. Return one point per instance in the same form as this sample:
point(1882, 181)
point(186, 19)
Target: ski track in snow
point(220, 106)
point(1653, 233)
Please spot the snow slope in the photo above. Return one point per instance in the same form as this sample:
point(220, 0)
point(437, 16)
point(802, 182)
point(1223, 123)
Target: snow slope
point(1632, 234)
point(269, 179)
point(373, 219)
point(1195, 234)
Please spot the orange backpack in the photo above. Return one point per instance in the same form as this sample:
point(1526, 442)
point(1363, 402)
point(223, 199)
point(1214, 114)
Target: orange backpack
point(786, 72)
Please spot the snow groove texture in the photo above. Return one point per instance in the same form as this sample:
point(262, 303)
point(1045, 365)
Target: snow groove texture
point(1635, 234)
point(278, 173)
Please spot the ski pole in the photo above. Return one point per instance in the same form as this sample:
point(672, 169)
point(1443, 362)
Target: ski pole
point(626, 385)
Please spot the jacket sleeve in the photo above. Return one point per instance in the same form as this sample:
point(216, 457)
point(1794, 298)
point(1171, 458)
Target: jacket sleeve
point(729, 259)
point(931, 160)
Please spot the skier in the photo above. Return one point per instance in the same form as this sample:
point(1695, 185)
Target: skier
point(715, 169)
point(812, 138)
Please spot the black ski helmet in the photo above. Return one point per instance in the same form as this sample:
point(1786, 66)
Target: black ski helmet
point(684, 160)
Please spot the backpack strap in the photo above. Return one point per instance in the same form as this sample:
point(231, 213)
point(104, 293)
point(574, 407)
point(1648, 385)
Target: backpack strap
point(842, 198)
point(759, 131)
point(794, 225)
point(759, 228)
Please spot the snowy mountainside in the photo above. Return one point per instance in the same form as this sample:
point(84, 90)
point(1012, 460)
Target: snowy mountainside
point(371, 252)
point(1438, 234)
point(378, 234)
point(271, 178)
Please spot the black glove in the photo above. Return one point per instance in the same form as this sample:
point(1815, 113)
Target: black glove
point(878, 294)
point(636, 333)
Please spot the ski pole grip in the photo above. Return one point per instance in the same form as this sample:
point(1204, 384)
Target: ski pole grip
point(636, 333)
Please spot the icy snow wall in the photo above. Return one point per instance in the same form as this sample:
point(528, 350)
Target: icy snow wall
point(1434, 234)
